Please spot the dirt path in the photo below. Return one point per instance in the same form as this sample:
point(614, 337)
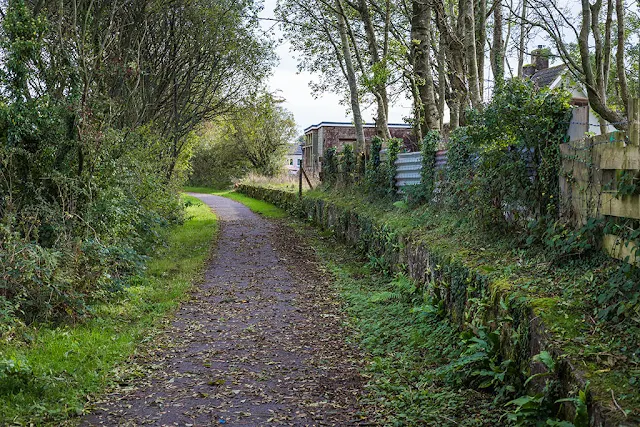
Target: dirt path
point(260, 342)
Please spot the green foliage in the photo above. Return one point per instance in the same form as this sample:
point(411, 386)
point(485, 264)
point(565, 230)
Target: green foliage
point(406, 343)
point(392, 156)
point(81, 202)
point(217, 161)
point(403, 289)
point(562, 240)
point(15, 375)
point(330, 167)
point(428, 171)
point(254, 138)
point(424, 192)
point(347, 165)
point(627, 183)
point(46, 374)
point(504, 166)
point(377, 172)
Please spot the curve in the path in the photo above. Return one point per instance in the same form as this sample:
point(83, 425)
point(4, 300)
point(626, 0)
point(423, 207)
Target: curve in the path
point(260, 342)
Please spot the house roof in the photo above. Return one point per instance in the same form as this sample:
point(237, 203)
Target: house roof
point(295, 150)
point(546, 77)
point(346, 124)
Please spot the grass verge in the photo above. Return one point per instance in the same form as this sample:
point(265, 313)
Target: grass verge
point(417, 370)
point(258, 206)
point(48, 374)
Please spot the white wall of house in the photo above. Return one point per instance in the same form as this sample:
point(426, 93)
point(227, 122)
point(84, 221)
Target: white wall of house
point(577, 92)
point(292, 163)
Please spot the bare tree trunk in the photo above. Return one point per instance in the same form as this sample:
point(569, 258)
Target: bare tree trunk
point(454, 49)
point(380, 89)
point(622, 76)
point(521, 41)
point(497, 50)
point(597, 100)
point(351, 79)
point(454, 112)
point(421, 29)
point(607, 43)
point(480, 15)
point(467, 7)
point(442, 81)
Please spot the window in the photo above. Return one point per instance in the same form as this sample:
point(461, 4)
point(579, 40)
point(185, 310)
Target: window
point(299, 162)
point(290, 162)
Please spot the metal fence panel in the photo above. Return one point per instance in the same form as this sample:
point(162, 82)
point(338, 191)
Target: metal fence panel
point(408, 169)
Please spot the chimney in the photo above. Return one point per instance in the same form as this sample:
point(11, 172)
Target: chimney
point(540, 58)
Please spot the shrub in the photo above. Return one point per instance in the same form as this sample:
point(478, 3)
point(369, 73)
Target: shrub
point(347, 165)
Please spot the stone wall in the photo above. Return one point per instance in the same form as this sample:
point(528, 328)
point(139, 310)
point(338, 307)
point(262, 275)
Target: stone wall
point(469, 297)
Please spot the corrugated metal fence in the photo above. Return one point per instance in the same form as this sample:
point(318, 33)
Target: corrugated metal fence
point(409, 166)
point(408, 169)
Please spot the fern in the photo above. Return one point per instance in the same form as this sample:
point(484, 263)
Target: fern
point(385, 297)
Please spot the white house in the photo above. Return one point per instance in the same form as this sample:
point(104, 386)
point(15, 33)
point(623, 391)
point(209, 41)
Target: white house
point(584, 118)
point(293, 159)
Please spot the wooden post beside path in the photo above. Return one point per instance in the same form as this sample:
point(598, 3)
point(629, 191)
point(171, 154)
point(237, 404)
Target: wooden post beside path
point(300, 182)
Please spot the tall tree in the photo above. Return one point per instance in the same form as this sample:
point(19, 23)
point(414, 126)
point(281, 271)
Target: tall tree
point(591, 65)
point(320, 30)
point(497, 52)
point(378, 80)
point(421, 43)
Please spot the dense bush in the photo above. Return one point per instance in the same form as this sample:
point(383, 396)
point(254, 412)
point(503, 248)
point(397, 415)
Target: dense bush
point(376, 181)
point(252, 138)
point(80, 199)
point(504, 166)
point(347, 165)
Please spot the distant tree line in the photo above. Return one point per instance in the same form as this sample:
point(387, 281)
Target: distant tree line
point(252, 138)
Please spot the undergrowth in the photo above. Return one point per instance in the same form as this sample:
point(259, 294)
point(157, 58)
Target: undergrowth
point(414, 351)
point(47, 373)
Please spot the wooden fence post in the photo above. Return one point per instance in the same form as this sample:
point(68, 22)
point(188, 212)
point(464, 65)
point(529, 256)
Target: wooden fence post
point(307, 178)
point(300, 182)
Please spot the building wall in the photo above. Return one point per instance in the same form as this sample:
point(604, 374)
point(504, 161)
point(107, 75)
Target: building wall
point(337, 136)
point(292, 162)
point(320, 139)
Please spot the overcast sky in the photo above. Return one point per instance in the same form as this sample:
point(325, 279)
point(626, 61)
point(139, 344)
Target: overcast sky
point(294, 87)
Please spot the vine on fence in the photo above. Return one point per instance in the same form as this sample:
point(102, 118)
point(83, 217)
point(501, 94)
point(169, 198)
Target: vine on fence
point(392, 157)
point(504, 165)
point(377, 172)
point(330, 167)
point(347, 164)
point(428, 171)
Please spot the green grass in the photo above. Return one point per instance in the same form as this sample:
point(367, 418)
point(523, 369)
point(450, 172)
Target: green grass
point(56, 369)
point(411, 353)
point(258, 206)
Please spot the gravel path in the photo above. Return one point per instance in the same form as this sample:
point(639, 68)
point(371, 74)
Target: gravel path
point(260, 342)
